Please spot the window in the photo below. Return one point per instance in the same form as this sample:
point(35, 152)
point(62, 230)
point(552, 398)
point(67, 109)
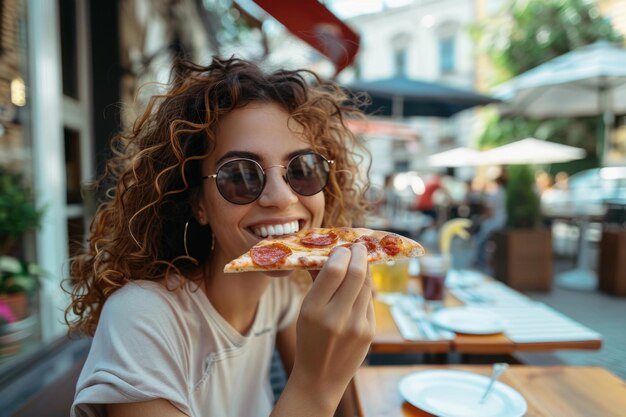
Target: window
point(447, 32)
point(446, 55)
point(69, 56)
point(19, 327)
point(48, 126)
point(400, 47)
point(400, 62)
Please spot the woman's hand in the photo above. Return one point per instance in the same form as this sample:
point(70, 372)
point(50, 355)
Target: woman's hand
point(335, 327)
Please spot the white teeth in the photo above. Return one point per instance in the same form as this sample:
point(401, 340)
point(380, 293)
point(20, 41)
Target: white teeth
point(276, 229)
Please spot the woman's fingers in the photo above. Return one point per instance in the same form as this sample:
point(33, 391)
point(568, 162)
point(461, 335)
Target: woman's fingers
point(330, 277)
point(355, 277)
point(336, 322)
point(364, 297)
point(362, 314)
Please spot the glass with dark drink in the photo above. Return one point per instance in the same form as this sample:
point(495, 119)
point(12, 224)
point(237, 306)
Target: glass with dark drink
point(432, 275)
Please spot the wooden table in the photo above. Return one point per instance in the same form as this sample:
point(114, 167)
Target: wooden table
point(552, 391)
point(389, 340)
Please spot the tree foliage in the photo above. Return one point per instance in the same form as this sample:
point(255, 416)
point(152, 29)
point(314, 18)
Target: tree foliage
point(538, 30)
point(526, 34)
point(519, 188)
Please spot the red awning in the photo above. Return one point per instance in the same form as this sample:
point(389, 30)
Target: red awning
point(312, 22)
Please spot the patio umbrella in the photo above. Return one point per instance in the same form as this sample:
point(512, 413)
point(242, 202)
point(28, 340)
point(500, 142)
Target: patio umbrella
point(587, 81)
point(531, 151)
point(455, 158)
point(402, 97)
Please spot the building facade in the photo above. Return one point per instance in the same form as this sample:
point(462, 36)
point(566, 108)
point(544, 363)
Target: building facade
point(425, 40)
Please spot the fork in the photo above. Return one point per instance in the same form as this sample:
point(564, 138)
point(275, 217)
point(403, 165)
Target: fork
point(497, 370)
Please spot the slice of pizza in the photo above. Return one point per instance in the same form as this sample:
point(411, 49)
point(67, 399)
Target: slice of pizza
point(310, 248)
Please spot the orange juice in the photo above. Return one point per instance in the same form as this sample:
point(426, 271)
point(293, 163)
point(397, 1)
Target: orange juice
point(390, 277)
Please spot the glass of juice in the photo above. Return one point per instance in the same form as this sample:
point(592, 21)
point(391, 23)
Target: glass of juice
point(391, 276)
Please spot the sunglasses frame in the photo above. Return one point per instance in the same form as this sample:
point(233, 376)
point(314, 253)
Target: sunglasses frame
point(330, 163)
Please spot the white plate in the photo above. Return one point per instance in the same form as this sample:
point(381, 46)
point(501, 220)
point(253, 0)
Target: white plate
point(462, 278)
point(469, 320)
point(448, 393)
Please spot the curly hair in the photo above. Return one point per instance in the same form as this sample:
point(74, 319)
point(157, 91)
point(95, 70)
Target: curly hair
point(154, 172)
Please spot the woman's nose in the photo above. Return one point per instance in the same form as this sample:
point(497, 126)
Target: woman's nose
point(277, 191)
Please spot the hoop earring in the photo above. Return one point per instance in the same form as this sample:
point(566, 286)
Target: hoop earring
point(185, 237)
point(185, 233)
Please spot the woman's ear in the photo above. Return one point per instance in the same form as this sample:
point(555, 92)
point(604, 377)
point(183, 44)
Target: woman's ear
point(198, 210)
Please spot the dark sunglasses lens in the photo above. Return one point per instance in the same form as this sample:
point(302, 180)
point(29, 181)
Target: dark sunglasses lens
point(308, 174)
point(240, 181)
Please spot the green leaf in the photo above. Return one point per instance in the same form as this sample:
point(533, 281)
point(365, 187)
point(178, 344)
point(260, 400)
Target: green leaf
point(10, 264)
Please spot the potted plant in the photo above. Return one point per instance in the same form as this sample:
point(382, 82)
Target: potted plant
point(18, 213)
point(18, 281)
point(523, 252)
point(18, 277)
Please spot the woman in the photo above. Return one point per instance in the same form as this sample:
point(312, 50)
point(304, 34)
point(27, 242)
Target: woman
point(228, 155)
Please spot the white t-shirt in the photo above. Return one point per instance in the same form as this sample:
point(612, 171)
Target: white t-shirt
point(153, 343)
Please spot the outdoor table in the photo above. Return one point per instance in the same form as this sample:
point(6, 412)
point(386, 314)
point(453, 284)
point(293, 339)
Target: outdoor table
point(389, 340)
point(550, 391)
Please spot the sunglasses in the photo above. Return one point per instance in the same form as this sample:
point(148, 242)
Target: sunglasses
point(241, 181)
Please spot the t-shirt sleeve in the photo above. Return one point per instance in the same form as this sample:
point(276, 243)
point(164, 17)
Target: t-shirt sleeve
point(138, 354)
point(290, 299)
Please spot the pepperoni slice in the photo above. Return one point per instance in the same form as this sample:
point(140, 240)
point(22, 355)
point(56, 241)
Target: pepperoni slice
point(319, 240)
point(269, 255)
point(391, 244)
point(370, 243)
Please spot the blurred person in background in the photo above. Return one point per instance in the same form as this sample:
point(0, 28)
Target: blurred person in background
point(211, 163)
point(561, 180)
point(434, 196)
point(454, 192)
point(543, 182)
point(544, 185)
point(493, 215)
point(555, 198)
point(390, 197)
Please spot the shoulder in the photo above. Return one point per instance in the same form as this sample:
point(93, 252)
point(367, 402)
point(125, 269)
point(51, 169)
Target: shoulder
point(144, 303)
point(140, 295)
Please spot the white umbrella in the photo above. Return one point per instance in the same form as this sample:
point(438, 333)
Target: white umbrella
point(531, 151)
point(587, 81)
point(457, 157)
